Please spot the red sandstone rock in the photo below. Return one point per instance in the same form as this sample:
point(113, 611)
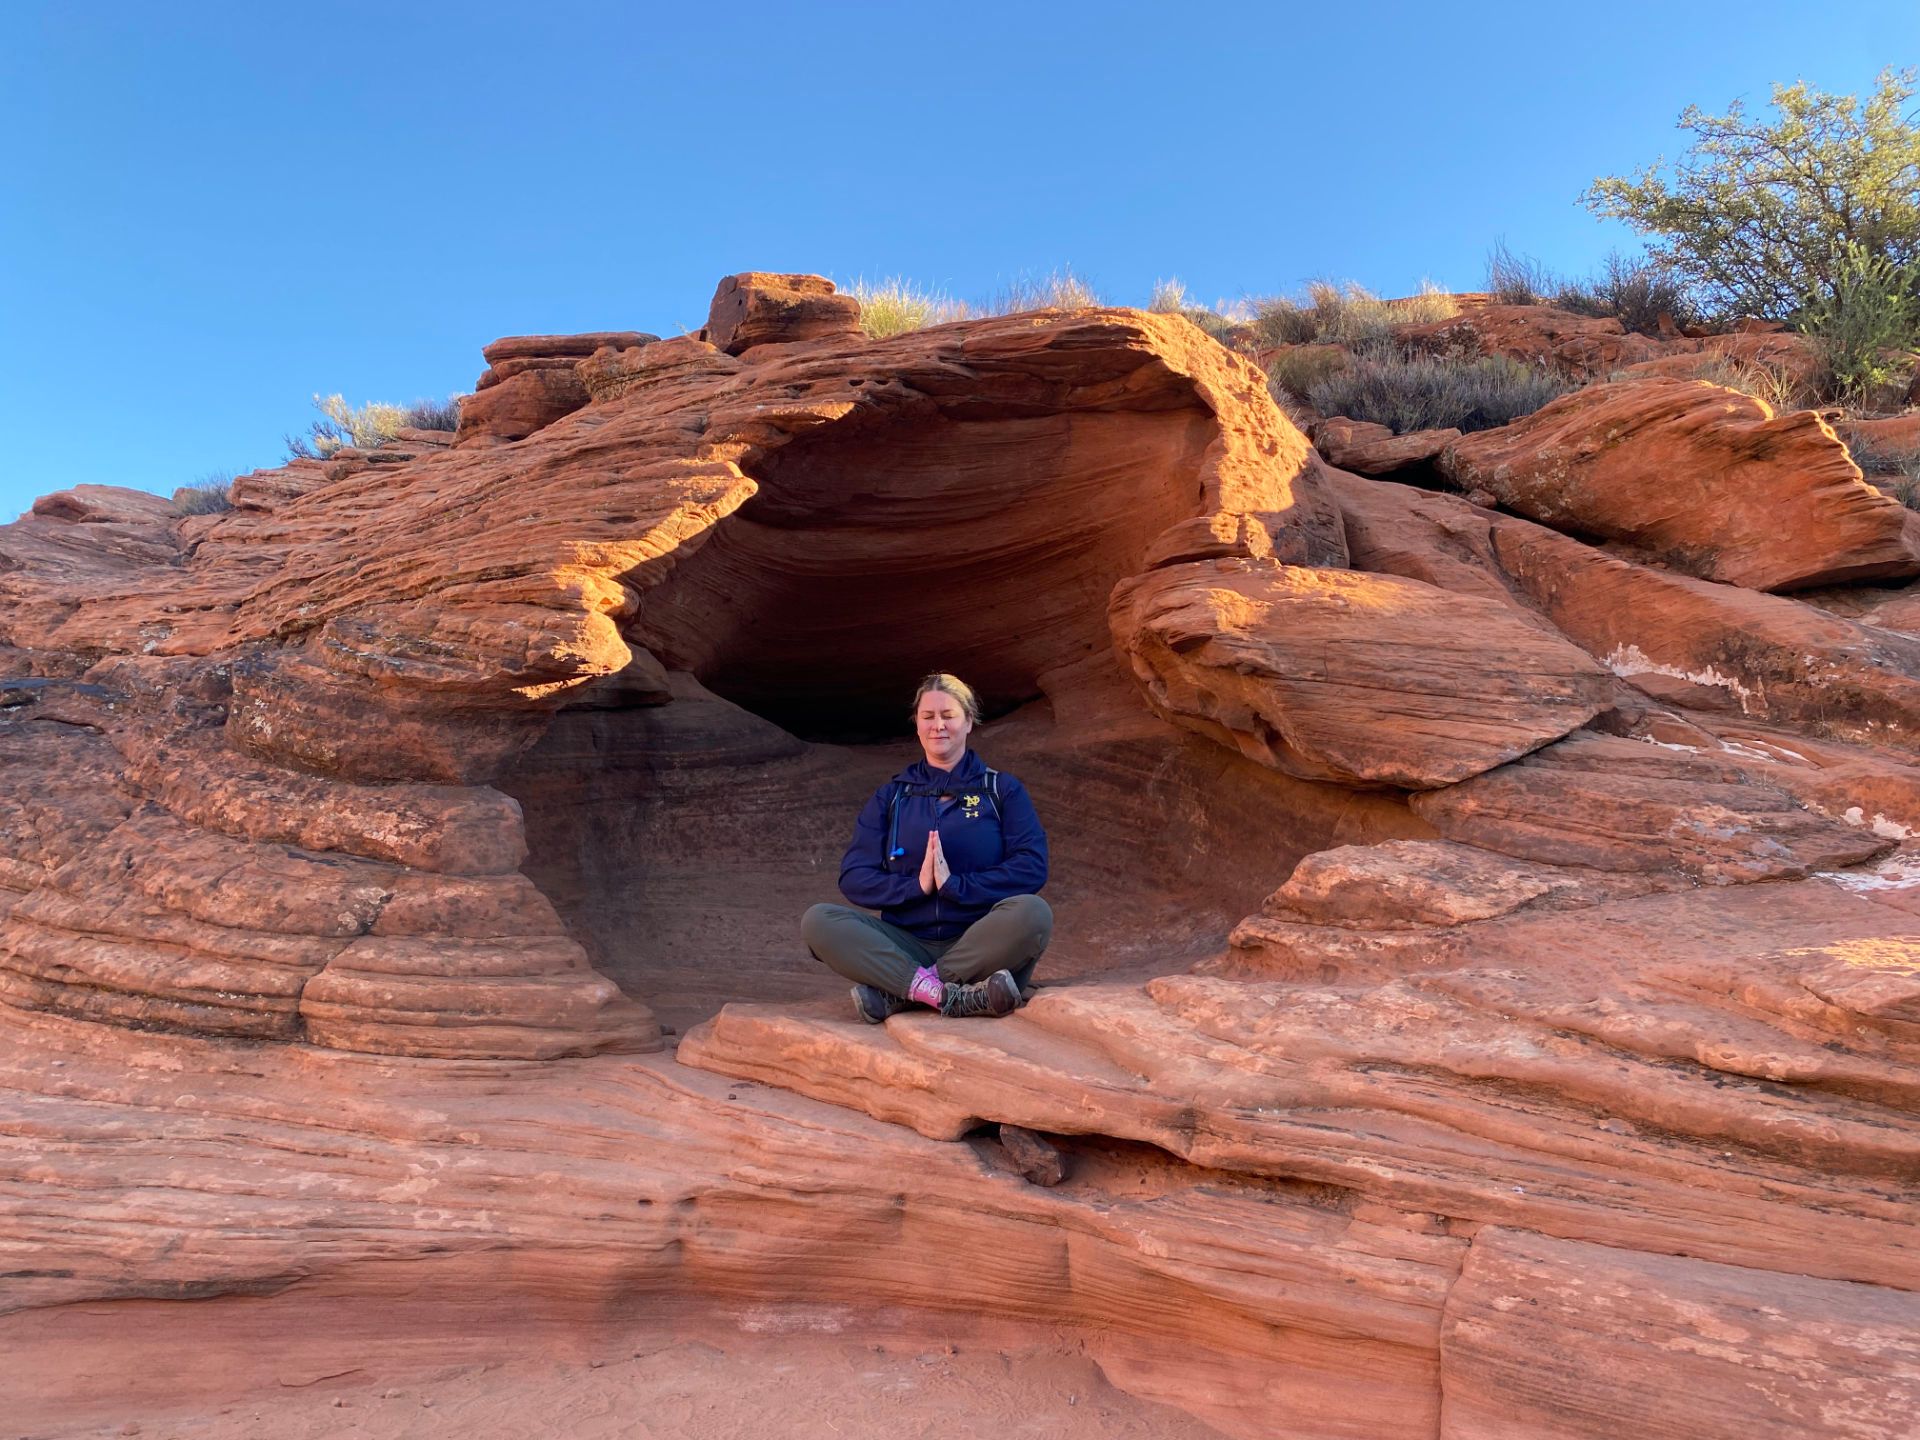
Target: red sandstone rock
point(1878, 445)
point(1775, 358)
point(382, 620)
point(225, 807)
point(552, 347)
point(1369, 449)
point(1617, 1074)
point(1579, 345)
point(1705, 479)
point(1613, 804)
point(1550, 1338)
point(530, 383)
point(759, 309)
point(1762, 656)
point(1362, 679)
point(515, 407)
point(105, 504)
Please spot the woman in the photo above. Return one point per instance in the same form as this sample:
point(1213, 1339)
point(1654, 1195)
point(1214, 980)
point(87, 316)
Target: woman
point(950, 853)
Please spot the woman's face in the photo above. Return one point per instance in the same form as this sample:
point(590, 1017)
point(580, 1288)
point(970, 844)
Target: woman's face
point(943, 728)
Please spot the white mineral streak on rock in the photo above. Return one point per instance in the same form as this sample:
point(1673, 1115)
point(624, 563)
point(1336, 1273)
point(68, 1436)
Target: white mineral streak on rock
point(1627, 661)
point(1899, 871)
point(1880, 824)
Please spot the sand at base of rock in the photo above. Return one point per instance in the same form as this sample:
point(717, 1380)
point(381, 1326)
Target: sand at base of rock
point(804, 1387)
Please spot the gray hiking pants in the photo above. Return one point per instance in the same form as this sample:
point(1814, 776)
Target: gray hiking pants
point(863, 947)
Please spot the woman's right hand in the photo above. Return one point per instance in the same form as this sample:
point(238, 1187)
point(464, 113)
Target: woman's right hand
point(927, 880)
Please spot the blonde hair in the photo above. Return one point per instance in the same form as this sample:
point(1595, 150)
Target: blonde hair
point(949, 685)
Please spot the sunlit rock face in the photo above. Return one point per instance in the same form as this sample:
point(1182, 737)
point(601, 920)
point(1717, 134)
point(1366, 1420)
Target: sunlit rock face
point(1485, 961)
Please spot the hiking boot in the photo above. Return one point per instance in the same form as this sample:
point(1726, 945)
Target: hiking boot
point(998, 994)
point(875, 1004)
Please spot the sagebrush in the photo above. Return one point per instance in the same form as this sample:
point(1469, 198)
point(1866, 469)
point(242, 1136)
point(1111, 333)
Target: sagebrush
point(1407, 394)
point(209, 495)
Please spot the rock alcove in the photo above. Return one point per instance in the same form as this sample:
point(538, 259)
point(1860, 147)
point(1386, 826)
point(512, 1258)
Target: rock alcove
point(1453, 909)
point(683, 816)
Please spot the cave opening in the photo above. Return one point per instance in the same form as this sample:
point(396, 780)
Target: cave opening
point(682, 841)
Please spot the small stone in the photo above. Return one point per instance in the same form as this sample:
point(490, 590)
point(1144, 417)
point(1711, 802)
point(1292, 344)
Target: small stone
point(1032, 1156)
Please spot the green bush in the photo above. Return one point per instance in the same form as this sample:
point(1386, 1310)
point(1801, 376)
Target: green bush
point(1873, 308)
point(208, 495)
point(896, 306)
point(1757, 216)
point(1426, 394)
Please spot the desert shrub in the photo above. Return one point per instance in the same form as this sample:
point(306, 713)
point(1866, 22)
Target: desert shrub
point(208, 495)
point(896, 306)
point(433, 414)
point(1170, 298)
point(1516, 279)
point(1346, 314)
point(1905, 488)
point(340, 425)
point(1872, 308)
point(1636, 292)
point(1424, 394)
point(1758, 215)
point(1884, 459)
point(1057, 290)
point(1780, 389)
point(1353, 316)
point(1279, 320)
point(1297, 369)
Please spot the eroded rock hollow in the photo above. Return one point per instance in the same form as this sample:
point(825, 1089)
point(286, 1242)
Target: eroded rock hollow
point(1486, 964)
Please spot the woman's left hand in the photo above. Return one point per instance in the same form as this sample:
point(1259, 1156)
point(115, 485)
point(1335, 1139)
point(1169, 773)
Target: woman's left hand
point(940, 870)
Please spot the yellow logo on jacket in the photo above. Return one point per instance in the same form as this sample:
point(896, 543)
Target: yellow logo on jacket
point(972, 802)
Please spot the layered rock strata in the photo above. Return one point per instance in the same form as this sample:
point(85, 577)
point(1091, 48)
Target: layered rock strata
point(1704, 479)
point(1485, 978)
point(368, 638)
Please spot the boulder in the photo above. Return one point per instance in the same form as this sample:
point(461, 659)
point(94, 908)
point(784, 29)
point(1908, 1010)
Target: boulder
point(530, 382)
point(1369, 449)
point(514, 407)
point(1701, 478)
point(1582, 346)
point(1882, 446)
point(1359, 679)
point(756, 308)
point(105, 505)
point(1615, 804)
point(1758, 656)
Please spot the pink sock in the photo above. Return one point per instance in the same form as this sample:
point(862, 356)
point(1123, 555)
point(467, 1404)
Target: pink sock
point(927, 987)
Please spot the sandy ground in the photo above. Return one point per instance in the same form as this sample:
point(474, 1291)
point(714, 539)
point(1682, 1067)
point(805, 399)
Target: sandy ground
point(800, 1387)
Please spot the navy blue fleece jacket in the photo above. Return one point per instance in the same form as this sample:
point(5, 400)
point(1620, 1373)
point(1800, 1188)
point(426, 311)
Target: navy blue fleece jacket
point(992, 854)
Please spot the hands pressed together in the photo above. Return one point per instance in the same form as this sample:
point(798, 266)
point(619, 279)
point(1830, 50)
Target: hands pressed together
point(933, 869)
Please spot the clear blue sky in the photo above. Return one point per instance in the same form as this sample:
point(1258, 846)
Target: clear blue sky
point(209, 212)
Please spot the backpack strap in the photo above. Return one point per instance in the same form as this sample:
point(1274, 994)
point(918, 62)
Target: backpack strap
point(993, 792)
point(894, 852)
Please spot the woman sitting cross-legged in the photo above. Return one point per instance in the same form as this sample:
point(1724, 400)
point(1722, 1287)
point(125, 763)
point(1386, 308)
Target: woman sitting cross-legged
point(951, 854)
